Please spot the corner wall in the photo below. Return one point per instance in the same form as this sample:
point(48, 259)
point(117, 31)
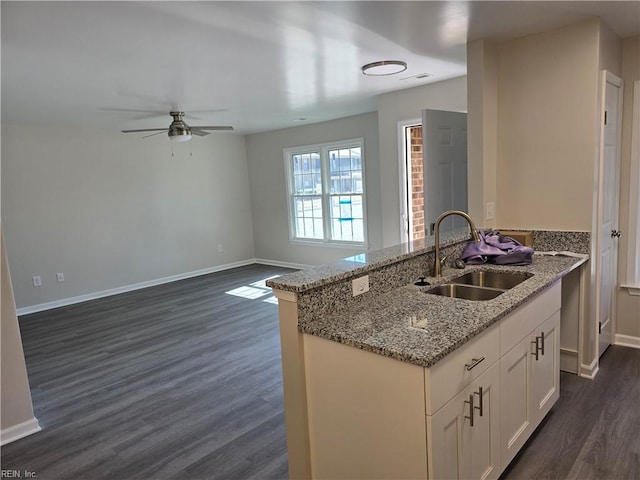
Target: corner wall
point(16, 416)
point(547, 106)
point(482, 127)
point(110, 210)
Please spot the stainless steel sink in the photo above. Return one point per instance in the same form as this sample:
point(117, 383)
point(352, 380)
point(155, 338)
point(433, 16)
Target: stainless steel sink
point(480, 285)
point(466, 292)
point(501, 280)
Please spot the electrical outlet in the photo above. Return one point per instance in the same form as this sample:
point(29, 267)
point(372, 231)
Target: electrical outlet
point(360, 285)
point(220, 249)
point(37, 281)
point(490, 211)
point(60, 277)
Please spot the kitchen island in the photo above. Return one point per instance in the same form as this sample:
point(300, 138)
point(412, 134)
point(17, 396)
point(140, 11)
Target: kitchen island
point(399, 383)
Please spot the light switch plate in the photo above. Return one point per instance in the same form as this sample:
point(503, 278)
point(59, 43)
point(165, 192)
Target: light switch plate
point(490, 211)
point(360, 285)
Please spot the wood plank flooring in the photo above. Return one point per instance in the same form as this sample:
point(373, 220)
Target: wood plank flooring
point(182, 381)
point(178, 381)
point(593, 431)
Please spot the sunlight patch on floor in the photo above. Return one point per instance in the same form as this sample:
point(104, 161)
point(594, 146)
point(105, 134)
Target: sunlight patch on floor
point(255, 291)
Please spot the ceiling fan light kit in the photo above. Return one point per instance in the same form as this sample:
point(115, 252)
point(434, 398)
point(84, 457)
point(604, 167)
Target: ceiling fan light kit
point(384, 67)
point(179, 131)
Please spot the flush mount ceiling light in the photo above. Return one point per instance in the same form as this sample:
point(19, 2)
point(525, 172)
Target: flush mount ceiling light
point(384, 67)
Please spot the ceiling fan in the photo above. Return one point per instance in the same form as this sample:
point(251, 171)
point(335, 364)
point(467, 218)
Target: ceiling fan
point(179, 131)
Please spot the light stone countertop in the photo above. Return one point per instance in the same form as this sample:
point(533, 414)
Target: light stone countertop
point(414, 327)
point(323, 275)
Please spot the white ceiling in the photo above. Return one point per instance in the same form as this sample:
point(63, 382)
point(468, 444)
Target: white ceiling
point(255, 65)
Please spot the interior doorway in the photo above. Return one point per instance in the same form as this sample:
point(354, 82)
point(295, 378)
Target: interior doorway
point(433, 153)
point(608, 185)
point(413, 161)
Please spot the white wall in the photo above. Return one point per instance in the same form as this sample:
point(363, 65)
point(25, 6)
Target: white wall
point(547, 129)
point(628, 306)
point(482, 129)
point(16, 417)
point(111, 210)
point(400, 106)
point(269, 193)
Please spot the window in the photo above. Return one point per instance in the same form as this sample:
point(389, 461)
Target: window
point(327, 192)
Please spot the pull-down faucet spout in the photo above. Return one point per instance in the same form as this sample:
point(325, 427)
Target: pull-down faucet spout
point(437, 269)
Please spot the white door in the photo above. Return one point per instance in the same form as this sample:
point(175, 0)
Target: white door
point(608, 197)
point(444, 137)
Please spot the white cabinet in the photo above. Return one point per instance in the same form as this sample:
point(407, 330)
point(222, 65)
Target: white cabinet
point(463, 436)
point(529, 375)
point(545, 377)
point(371, 416)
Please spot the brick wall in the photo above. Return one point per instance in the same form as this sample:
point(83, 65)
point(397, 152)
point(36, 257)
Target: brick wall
point(417, 183)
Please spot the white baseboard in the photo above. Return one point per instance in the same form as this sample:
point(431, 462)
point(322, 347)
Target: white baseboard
point(129, 288)
point(590, 371)
point(41, 307)
point(627, 341)
point(277, 263)
point(568, 360)
point(16, 432)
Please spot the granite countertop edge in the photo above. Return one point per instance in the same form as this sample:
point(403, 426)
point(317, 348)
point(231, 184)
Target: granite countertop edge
point(322, 275)
point(408, 325)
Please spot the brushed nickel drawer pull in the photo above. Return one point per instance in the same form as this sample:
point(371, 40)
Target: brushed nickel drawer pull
point(479, 407)
point(471, 408)
point(474, 362)
point(535, 354)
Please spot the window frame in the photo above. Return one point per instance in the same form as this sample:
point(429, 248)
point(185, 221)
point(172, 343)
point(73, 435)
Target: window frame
point(323, 149)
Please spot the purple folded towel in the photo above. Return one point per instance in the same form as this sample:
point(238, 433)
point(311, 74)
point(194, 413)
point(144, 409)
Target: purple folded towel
point(498, 249)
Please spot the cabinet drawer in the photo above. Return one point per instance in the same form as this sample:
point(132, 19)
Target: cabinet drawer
point(523, 320)
point(453, 373)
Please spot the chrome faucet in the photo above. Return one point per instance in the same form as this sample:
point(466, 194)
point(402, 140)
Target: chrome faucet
point(437, 269)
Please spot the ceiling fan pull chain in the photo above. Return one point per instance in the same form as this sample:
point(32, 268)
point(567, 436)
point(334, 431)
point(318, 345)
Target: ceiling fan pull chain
point(171, 147)
point(190, 151)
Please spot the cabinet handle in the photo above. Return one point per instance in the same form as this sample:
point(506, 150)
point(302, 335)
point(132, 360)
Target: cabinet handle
point(480, 404)
point(471, 408)
point(474, 362)
point(542, 343)
point(535, 354)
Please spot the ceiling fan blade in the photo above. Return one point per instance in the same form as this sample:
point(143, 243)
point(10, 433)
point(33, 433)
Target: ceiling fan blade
point(142, 114)
point(200, 133)
point(154, 134)
point(213, 127)
point(146, 130)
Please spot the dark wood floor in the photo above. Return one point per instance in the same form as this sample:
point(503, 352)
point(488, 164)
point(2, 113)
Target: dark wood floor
point(178, 381)
point(593, 431)
point(183, 381)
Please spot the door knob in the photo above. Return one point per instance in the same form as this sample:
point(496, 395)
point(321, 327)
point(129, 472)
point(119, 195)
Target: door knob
point(616, 233)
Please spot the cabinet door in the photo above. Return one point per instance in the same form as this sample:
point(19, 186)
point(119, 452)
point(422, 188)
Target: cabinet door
point(516, 415)
point(529, 385)
point(545, 370)
point(458, 450)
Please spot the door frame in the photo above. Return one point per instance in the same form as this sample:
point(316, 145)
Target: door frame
point(605, 77)
point(404, 176)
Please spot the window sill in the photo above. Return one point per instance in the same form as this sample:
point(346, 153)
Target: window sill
point(323, 244)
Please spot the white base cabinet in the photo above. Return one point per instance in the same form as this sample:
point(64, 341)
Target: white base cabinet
point(463, 437)
point(530, 385)
point(370, 416)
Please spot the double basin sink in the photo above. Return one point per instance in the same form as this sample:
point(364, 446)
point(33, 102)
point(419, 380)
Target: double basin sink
point(480, 285)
